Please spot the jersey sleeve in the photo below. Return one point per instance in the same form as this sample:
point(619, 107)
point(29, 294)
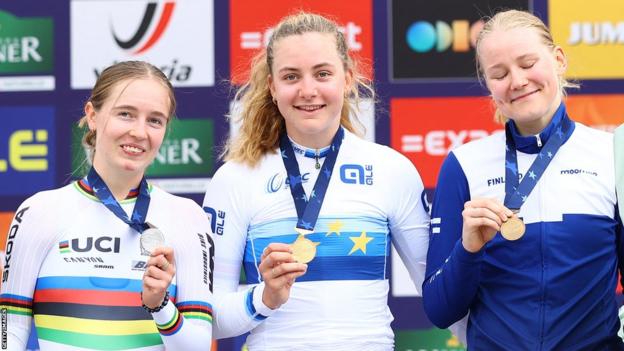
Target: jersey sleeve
point(409, 220)
point(236, 312)
point(28, 243)
point(452, 275)
point(187, 325)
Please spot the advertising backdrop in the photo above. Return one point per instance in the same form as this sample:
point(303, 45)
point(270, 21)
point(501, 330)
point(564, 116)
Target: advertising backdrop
point(420, 54)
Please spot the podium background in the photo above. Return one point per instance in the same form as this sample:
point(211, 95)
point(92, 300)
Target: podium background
point(429, 101)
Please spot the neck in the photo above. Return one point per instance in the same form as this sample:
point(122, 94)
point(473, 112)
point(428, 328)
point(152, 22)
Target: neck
point(534, 128)
point(537, 126)
point(119, 183)
point(312, 141)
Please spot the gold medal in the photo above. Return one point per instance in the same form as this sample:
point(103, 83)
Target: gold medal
point(303, 249)
point(513, 228)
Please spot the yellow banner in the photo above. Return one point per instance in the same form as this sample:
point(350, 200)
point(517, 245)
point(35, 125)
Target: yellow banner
point(591, 33)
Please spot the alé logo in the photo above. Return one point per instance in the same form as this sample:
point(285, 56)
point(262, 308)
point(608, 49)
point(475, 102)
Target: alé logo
point(149, 17)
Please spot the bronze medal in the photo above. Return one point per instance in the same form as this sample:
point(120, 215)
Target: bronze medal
point(513, 228)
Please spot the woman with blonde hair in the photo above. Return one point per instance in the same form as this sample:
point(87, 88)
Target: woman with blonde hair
point(547, 186)
point(308, 208)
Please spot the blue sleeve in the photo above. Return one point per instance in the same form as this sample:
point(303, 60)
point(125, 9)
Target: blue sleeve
point(452, 274)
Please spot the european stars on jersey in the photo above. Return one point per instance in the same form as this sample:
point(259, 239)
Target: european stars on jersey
point(373, 199)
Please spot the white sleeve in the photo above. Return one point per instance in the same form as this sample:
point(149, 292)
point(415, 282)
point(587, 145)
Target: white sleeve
point(236, 312)
point(28, 244)
point(187, 325)
point(409, 219)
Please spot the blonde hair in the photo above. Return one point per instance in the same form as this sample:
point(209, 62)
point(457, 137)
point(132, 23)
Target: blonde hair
point(108, 80)
point(261, 122)
point(512, 19)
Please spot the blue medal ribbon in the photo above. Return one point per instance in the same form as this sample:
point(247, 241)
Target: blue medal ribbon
point(308, 211)
point(103, 193)
point(516, 191)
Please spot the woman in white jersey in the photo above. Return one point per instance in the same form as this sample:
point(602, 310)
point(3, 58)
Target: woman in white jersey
point(110, 261)
point(300, 185)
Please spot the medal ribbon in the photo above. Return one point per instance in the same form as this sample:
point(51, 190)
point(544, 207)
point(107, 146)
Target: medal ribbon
point(139, 214)
point(516, 191)
point(308, 211)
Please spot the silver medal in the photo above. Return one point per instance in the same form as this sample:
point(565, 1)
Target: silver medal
point(151, 238)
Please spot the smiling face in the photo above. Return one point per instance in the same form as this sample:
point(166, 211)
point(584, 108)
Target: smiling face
point(130, 128)
point(308, 81)
point(523, 75)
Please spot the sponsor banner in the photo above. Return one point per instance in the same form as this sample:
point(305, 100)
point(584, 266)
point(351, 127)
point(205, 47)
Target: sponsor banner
point(27, 142)
point(175, 35)
point(251, 21)
point(603, 112)
point(434, 40)
point(187, 151)
point(26, 47)
point(592, 36)
point(366, 116)
point(426, 129)
point(426, 340)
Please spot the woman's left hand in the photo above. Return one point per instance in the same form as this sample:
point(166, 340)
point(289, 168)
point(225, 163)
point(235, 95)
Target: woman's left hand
point(159, 272)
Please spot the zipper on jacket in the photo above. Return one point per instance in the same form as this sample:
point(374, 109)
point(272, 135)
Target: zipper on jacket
point(539, 140)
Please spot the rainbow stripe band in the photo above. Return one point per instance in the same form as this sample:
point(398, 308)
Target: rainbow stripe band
point(173, 326)
point(96, 313)
point(196, 310)
point(16, 304)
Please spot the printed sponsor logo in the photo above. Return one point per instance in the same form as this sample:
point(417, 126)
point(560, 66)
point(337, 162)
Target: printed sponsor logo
point(575, 171)
point(26, 150)
point(426, 33)
point(207, 246)
point(175, 35)
point(592, 35)
point(443, 124)
point(356, 174)
point(217, 219)
point(105, 244)
point(26, 46)
point(138, 265)
point(250, 28)
point(10, 239)
point(281, 181)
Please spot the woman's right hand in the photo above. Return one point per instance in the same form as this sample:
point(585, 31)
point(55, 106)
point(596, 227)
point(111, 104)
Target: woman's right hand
point(482, 219)
point(279, 271)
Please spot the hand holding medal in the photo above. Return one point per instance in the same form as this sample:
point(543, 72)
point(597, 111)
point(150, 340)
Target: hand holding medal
point(160, 267)
point(159, 272)
point(279, 271)
point(483, 218)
